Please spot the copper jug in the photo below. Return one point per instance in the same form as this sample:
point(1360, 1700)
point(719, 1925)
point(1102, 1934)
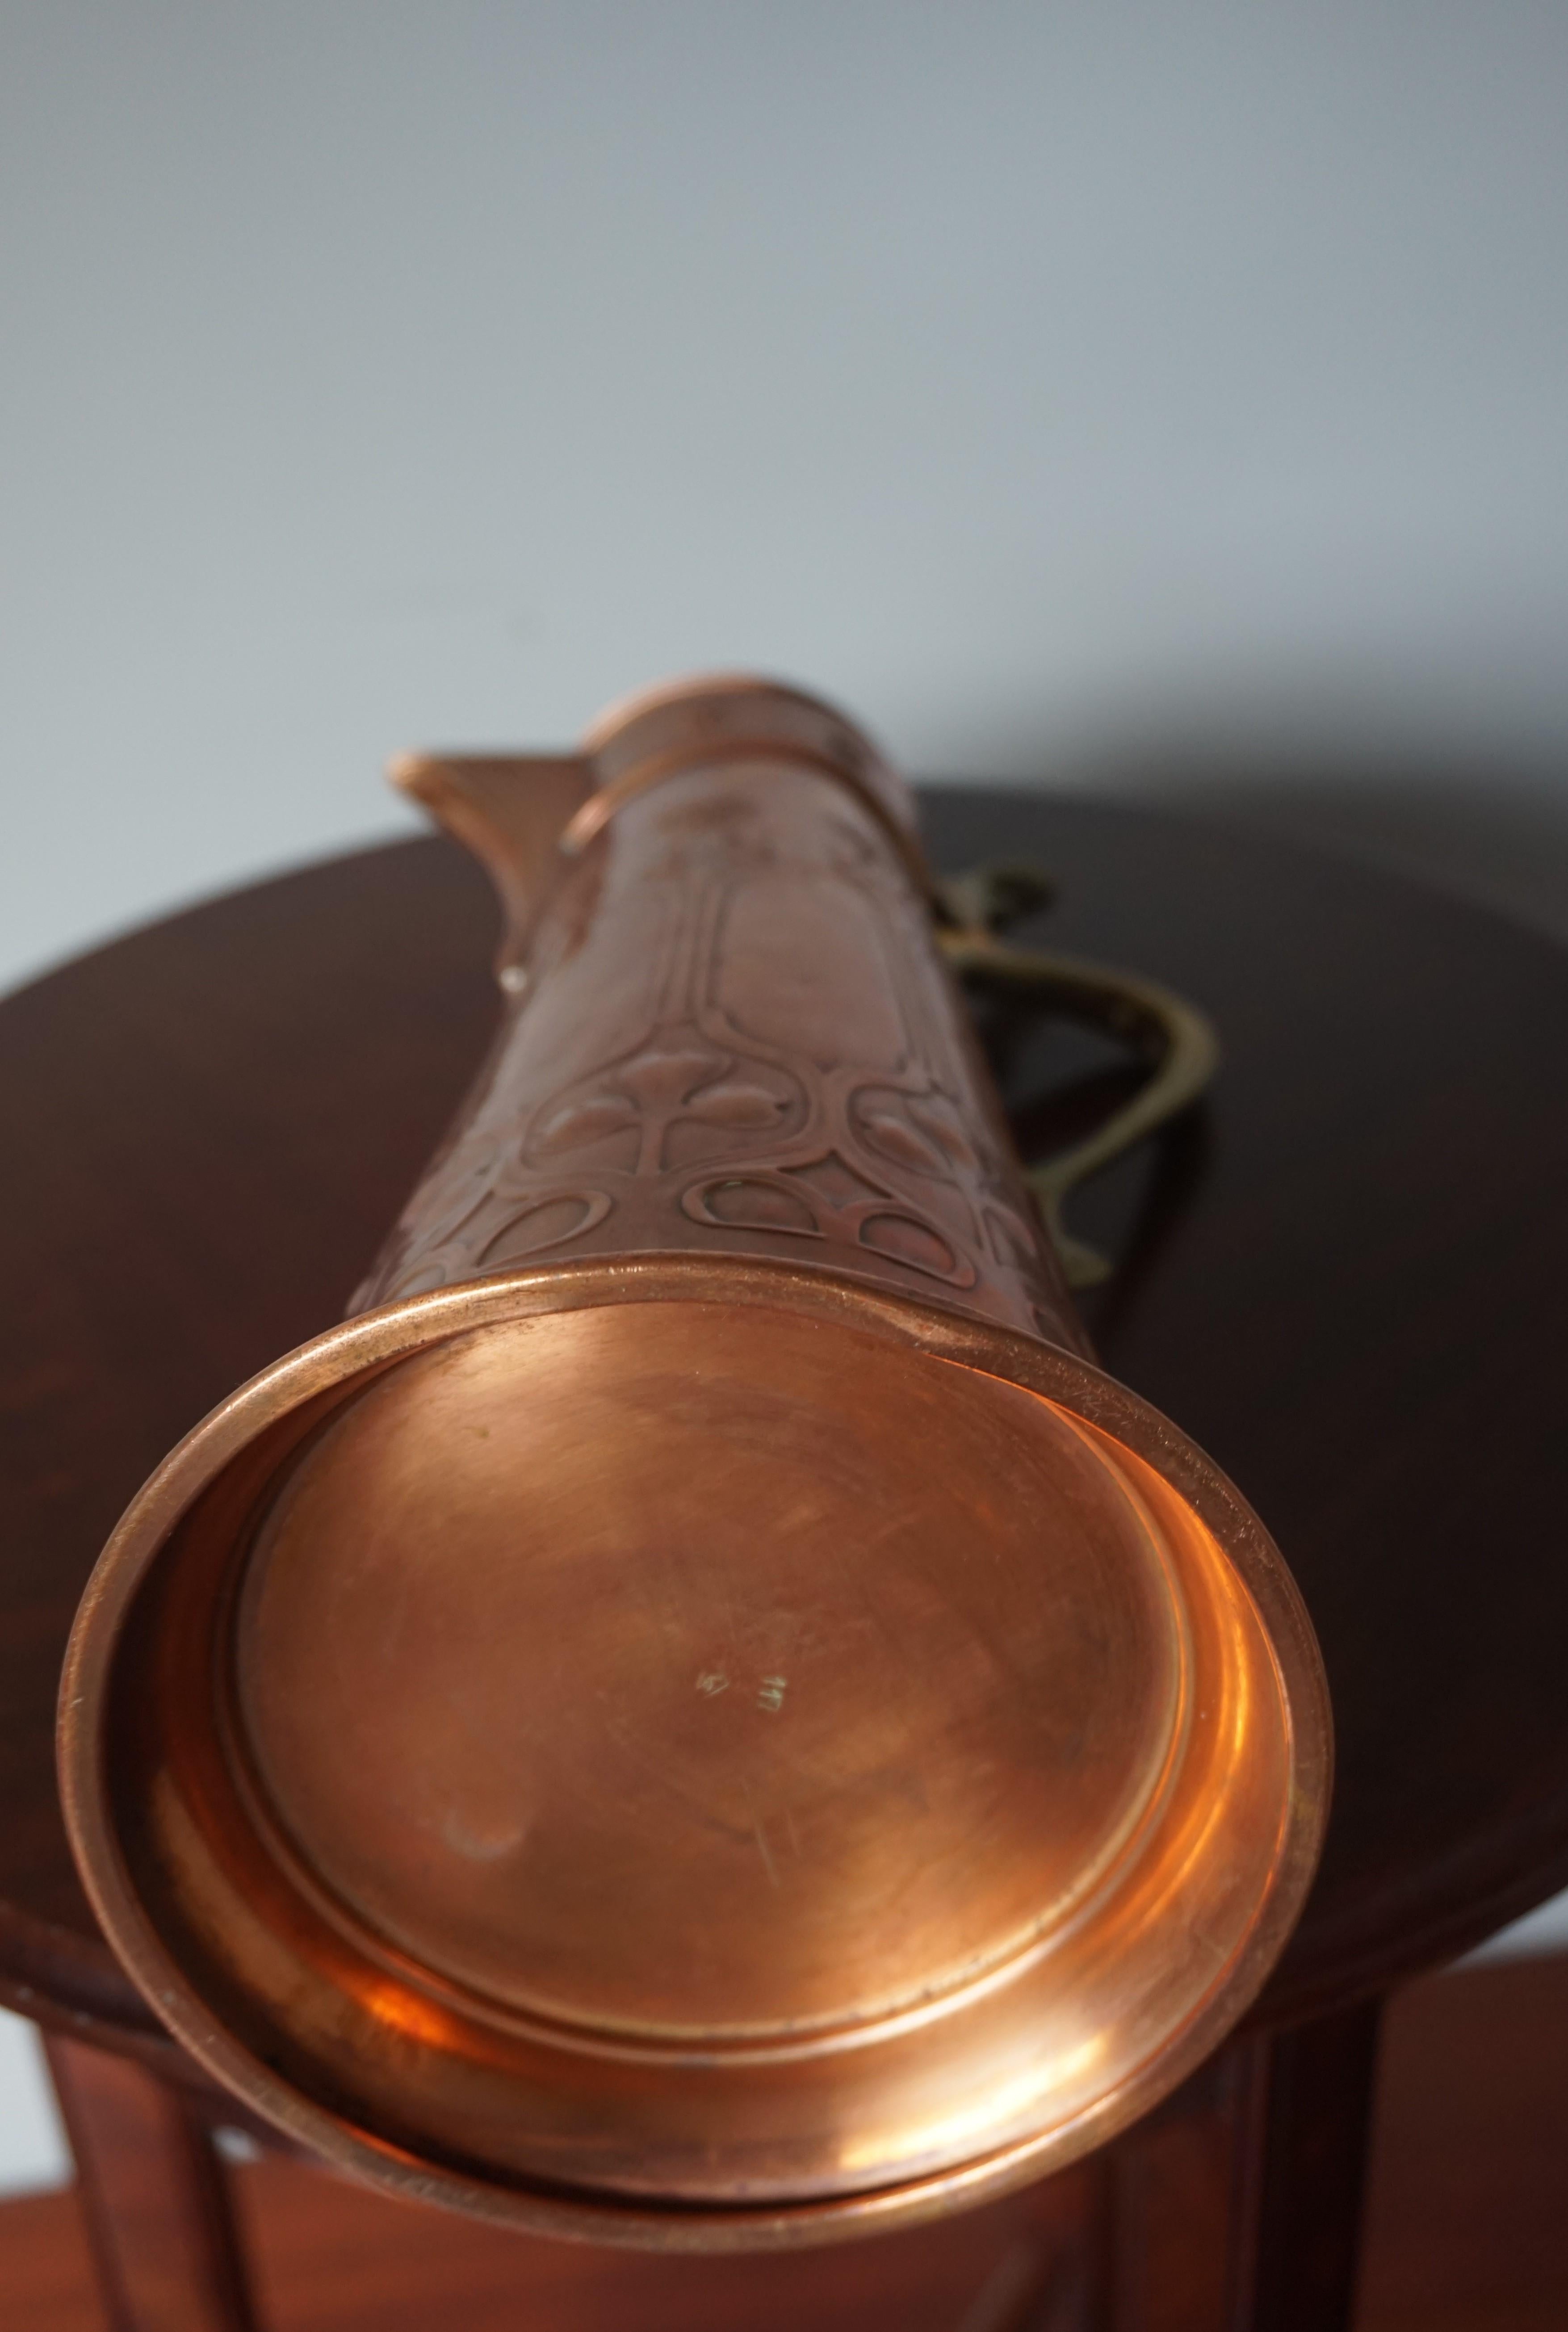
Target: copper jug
point(698, 1716)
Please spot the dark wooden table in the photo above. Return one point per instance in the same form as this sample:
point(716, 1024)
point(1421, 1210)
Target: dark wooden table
point(1344, 1276)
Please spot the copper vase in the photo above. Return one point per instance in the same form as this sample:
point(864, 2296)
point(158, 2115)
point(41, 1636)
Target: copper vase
point(699, 1715)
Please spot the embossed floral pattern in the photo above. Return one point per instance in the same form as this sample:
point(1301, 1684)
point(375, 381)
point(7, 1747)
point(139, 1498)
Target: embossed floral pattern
point(699, 1131)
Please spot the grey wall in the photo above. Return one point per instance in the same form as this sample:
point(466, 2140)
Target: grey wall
point(1103, 392)
point(1166, 397)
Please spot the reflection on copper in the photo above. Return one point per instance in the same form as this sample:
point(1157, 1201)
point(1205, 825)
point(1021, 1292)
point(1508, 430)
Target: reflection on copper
point(1046, 2077)
point(405, 2012)
point(698, 1716)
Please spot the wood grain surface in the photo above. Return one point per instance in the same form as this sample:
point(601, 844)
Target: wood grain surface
point(1343, 1276)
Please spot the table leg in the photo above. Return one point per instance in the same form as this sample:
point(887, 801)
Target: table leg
point(155, 2195)
point(1302, 2168)
point(1238, 2208)
point(1176, 2207)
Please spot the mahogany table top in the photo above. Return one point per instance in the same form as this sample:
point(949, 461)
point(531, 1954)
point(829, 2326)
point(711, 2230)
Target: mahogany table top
point(1343, 1276)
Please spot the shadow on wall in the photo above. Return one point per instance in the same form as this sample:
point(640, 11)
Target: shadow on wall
point(1496, 835)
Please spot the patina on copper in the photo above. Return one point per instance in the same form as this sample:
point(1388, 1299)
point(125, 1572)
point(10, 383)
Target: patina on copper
point(698, 1716)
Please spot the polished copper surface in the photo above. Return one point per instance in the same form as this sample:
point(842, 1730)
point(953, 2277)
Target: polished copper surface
point(730, 1031)
point(700, 1716)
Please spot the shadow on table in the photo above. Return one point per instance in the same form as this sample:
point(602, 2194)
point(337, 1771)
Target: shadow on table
point(1494, 833)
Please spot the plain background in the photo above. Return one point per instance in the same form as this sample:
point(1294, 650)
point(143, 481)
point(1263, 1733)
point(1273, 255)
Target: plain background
point(1169, 399)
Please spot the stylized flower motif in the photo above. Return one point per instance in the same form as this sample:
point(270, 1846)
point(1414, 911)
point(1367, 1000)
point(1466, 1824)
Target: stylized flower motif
point(665, 1078)
point(826, 1199)
point(898, 1140)
point(659, 1087)
point(736, 1104)
point(922, 1130)
point(582, 1122)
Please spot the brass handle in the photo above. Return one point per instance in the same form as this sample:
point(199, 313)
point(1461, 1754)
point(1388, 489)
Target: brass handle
point(1177, 1041)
